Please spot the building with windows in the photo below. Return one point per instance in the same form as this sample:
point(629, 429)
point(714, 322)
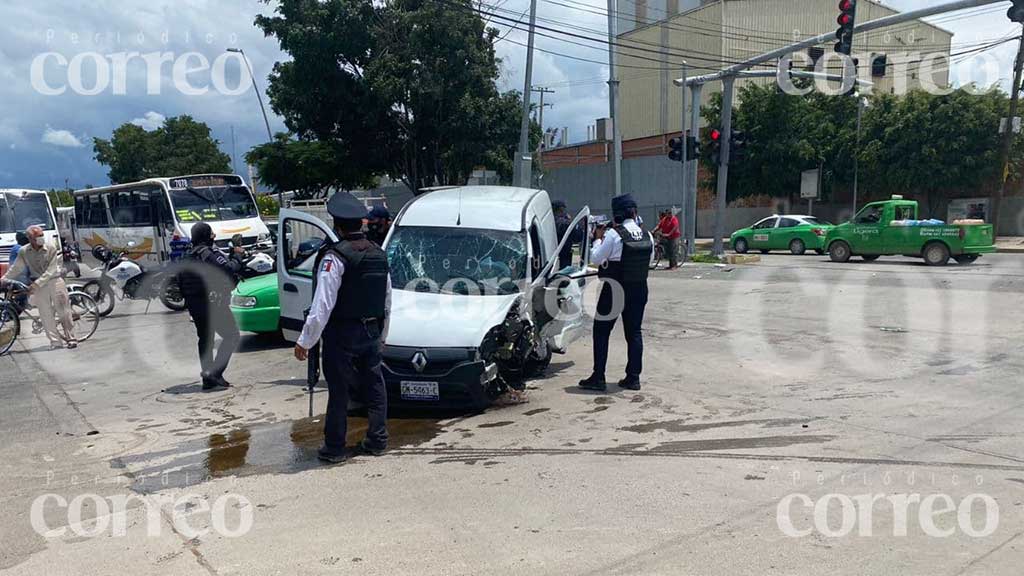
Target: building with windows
point(713, 34)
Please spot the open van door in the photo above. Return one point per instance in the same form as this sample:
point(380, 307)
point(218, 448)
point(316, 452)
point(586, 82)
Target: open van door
point(560, 295)
point(299, 238)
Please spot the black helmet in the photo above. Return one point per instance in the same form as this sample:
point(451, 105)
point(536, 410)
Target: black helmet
point(101, 252)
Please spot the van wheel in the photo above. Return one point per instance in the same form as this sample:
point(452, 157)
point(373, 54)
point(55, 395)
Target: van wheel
point(797, 247)
point(741, 246)
point(839, 251)
point(936, 254)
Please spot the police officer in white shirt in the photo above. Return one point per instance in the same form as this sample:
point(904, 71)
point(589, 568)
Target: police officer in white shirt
point(349, 316)
point(623, 254)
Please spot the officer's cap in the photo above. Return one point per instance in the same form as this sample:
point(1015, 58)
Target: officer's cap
point(345, 206)
point(623, 203)
point(379, 212)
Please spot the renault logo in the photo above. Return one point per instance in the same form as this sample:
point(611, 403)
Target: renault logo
point(419, 361)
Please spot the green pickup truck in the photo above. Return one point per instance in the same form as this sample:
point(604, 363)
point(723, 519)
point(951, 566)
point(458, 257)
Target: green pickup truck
point(891, 228)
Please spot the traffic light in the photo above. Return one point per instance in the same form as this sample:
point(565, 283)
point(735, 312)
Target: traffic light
point(1016, 12)
point(846, 21)
point(715, 145)
point(692, 148)
point(675, 149)
point(737, 146)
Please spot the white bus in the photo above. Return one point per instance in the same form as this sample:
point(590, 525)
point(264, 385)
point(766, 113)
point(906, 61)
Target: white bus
point(157, 212)
point(20, 209)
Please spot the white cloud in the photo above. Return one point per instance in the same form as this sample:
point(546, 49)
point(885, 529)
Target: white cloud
point(150, 120)
point(61, 138)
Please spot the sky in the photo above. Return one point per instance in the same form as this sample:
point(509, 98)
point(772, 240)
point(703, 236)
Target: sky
point(46, 138)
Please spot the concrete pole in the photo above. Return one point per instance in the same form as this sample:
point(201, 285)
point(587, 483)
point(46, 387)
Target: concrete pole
point(523, 169)
point(613, 103)
point(723, 168)
point(691, 207)
point(997, 197)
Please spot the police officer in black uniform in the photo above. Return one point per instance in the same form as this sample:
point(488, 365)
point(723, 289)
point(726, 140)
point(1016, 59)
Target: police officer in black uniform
point(562, 223)
point(206, 283)
point(349, 315)
point(624, 255)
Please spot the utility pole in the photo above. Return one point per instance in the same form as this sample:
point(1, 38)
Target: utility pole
point(523, 167)
point(234, 158)
point(997, 197)
point(723, 169)
point(613, 104)
point(540, 120)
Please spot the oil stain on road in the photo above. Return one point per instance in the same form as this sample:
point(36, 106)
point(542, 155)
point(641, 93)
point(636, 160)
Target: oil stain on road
point(280, 448)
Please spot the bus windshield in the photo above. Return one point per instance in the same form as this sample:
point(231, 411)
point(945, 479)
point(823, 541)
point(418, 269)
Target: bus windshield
point(18, 212)
point(213, 203)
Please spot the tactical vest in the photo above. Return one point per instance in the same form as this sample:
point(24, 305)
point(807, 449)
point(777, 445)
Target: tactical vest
point(364, 285)
point(635, 261)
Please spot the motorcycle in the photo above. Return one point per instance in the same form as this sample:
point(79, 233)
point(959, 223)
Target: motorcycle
point(256, 263)
point(133, 280)
point(72, 256)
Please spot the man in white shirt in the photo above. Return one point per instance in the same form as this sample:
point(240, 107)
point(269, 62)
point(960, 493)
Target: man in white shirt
point(623, 254)
point(349, 316)
point(45, 263)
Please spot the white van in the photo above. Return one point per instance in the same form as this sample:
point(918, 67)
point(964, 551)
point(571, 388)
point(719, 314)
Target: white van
point(477, 304)
point(20, 209)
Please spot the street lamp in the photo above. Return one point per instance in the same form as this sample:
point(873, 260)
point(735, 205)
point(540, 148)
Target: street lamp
point(266, 122)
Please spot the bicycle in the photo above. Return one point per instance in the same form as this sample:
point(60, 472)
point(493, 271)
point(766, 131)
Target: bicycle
point(85, 316)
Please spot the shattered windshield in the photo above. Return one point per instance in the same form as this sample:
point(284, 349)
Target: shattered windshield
point(457, 260)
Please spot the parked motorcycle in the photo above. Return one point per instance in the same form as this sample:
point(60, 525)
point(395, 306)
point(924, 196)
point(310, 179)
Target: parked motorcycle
point(256, 263)
point(133, 281)
point(72, 256)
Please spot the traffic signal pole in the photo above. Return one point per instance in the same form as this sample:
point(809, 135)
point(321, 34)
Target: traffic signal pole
point(685, 163)
point(723, 168)
point(690, 209)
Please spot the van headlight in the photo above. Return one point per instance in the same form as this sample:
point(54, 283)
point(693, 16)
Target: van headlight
point(243, 301)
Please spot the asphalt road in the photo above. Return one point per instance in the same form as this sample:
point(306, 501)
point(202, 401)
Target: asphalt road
point(797, 417)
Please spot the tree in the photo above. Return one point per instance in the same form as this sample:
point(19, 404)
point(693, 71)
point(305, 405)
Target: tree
point(918, 144)
point(404, 88)
point(180, 146)
point(307, 167)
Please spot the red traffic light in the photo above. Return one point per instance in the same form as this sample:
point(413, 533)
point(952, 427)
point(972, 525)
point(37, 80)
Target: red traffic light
point(844, 19)
point(846, 5)
point(716, 135)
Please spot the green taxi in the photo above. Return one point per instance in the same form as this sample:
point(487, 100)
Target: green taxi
point(795, 233)
point(255, 304)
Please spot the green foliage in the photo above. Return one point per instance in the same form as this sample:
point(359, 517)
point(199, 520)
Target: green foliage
point(404, 88)
point(705, 258)
point(307, 167)
point(61, 198)
point(181, 146)
point(268, 205)
point(913, 144)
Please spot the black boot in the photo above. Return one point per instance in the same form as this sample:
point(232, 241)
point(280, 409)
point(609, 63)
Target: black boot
point(331, 457)
point(630, 383)
point(594, 382)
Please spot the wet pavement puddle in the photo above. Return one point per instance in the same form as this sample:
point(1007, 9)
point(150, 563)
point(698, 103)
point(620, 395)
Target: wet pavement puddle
point(279, 448)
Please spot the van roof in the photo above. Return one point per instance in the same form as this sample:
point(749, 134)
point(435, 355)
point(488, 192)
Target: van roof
point(487, 207)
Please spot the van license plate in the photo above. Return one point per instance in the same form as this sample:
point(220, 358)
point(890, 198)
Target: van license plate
point(420, 390)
